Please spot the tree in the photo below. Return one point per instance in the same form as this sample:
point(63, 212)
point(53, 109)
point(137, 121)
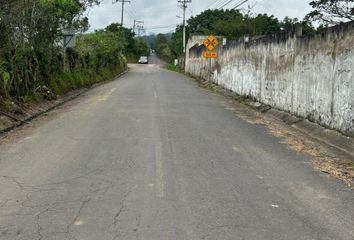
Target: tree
point(132, 46)
point(176, 44)
point(161, 39)
point(264, 25)
point(32, 55)
point(150, 41)
point(140, 47)
point(30, 32)
point(332, 11)
point(233, 24)
point(307, 26)
point(204, 23)
point(162, 47)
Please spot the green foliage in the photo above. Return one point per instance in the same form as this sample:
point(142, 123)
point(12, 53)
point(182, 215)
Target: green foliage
point(140, 48)
point(31, 55)
point(172, 67)
point(98, 56)
point(205, 23)
point(126, 43)
point(29, 32)
point(233, 24)
point(332, 11)
point(176, 44)
point(162, 48)
point(161, 39)
point(4, 81)
point(150, 41)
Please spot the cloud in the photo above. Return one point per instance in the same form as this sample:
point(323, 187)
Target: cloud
point(160, 15)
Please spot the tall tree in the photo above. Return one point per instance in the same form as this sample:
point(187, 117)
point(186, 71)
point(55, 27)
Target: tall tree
point(233, 24)
point(332, 11)
point(176, 44)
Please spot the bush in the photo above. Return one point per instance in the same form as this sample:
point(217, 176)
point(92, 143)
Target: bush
point(31, 57)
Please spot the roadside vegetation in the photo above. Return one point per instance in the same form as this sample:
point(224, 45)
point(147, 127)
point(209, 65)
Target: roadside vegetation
point(162, 46)
point(231, 24)
point(34, 63)
point(234, 24)
point(172, 67)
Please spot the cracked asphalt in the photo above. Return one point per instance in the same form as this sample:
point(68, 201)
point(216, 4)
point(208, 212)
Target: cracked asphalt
point(151, 156)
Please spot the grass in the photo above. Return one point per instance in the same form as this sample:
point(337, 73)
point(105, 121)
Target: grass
point(241, 99)
point(173, 67)
point(65, 82)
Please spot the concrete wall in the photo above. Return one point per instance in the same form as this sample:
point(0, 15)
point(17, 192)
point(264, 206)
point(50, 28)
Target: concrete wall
point(309, 76)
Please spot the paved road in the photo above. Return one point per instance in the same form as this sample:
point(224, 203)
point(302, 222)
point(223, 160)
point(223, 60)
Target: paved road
point(153, 157)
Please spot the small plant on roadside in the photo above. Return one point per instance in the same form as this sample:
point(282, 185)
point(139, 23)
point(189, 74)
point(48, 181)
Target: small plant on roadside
point(172, 67)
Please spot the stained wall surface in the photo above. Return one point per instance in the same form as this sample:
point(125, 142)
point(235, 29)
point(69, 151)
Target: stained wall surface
point(308, 76)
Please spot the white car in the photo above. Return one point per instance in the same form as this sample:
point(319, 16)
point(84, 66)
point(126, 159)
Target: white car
point(143, 60)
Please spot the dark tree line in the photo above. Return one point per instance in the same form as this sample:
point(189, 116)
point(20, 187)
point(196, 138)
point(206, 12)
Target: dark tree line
point(332, 11)
point(233, 24)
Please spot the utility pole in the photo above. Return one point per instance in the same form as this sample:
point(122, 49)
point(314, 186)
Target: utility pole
point(184, 7)
point(123, 3)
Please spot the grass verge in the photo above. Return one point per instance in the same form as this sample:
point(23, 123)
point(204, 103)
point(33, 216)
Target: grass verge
point(172, 67)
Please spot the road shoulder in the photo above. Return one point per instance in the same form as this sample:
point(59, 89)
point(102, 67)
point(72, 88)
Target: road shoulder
point(331, 151)
point(22, 113)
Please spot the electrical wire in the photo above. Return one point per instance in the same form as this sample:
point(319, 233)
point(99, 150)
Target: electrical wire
point(240, 4)
point(130, 13)
point(133, 11)
point(161, 27)
point(214, 3)
point(221, 4)
point(225, 4)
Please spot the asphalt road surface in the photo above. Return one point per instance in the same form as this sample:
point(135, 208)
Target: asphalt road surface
point(151, 156)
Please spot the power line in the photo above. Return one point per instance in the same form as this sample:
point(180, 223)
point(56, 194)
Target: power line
point(161, 29)
point(132, 10)
point(123, 3)
point(162, 32)
point(131, 14)
point(220, 4)
point(228, 2)
point(216, 3)
point(166, 25)
point(240, 4)
point(157, 28)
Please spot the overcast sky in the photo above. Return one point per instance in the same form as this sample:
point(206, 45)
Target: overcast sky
point(160, 15)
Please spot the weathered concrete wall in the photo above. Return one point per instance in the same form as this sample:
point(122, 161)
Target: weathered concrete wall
point(309, 76)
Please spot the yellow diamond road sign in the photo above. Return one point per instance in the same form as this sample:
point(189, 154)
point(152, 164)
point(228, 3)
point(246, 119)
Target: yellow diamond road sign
point(211, 42)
